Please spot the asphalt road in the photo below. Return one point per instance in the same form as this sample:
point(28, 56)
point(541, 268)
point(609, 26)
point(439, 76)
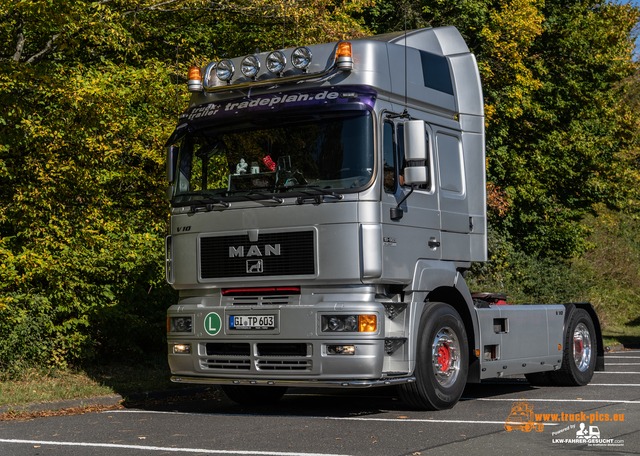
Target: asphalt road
point(347, 422)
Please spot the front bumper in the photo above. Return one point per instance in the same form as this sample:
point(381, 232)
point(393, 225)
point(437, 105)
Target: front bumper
point(312, 383)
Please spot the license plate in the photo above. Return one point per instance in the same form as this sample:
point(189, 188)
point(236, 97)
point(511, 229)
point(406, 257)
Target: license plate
point(252, 321)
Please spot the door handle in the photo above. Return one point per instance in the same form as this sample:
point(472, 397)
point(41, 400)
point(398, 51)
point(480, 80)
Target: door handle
point(434, 244)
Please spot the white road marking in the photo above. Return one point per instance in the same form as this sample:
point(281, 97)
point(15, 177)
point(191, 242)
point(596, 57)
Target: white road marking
point(416, 420)
point(336, 418)
point(625, 357)
point(614, 384)
point(601, 372)
point(606, 401)
point(623, 364)
point(155, 448)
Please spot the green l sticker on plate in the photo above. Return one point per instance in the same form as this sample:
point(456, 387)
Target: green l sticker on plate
point(212, 324)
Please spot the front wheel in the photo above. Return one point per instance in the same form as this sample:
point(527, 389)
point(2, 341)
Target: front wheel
point(442, 361)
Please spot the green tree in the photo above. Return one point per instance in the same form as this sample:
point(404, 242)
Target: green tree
point(88, 96)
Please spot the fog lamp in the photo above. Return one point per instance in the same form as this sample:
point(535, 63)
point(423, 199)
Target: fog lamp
point(301, 57)
point(225, 70)
point(341, 349)
point(276, 61)
point(182, 349)
point(250, 66)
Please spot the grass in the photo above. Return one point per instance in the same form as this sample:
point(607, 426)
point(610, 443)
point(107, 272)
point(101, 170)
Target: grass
point(47, 385)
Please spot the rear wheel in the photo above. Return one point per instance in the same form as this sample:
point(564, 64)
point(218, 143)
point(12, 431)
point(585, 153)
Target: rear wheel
point(254, 395)
point(579, 354)
point(442, 360)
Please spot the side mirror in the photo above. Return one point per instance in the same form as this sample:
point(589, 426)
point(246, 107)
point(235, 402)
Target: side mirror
point(415, 150)
point(415, 140)
point(172, 160)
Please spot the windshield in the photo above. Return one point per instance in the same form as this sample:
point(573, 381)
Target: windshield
point(305, 153)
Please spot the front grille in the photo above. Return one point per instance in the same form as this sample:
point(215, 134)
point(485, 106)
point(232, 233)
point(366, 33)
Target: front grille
point(231, 364)
point(285, 365)
point(260, 300)
point(274, 254)
point(237, 349)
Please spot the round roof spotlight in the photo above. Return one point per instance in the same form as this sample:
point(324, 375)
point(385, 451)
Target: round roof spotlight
point(224, 70)
point(250, 66)
point(276, 62)
point(301, 57)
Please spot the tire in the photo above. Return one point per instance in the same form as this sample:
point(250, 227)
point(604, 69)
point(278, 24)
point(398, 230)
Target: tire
point(442, 362)
point(579, 353)
point(254, 395)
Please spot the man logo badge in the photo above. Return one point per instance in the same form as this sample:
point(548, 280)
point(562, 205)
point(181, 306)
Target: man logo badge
point(254, 267)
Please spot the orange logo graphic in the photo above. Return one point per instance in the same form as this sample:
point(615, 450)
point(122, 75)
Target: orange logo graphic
point(522, 417)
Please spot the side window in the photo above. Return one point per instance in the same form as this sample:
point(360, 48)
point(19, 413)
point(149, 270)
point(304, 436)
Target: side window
point(389, 158)
point(394, 161)
point(450, 163)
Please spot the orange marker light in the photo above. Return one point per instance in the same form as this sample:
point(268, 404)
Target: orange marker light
point(344, 58)
point(560, 347)
point(344, 50)
point(194, 73)
point(367, 323)
point(194, 82)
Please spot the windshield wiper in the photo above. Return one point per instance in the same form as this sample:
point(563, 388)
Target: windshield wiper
point(208, 203)
point(267, 196)
point(317, 198)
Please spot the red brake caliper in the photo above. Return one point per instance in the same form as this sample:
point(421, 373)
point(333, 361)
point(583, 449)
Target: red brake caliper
point(444, 356)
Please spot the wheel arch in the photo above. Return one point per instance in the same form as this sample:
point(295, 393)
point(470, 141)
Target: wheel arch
point(443, 283)
point(456, 299)
point(588, 307)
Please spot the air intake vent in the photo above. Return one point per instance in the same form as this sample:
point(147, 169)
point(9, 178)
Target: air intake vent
point(283, 365)
point(230, 364)
point(274, 254)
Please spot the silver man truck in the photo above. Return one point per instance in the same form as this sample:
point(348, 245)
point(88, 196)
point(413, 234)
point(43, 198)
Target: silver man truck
point(326, 202)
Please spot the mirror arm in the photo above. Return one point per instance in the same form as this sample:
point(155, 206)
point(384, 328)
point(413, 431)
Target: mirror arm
point(395, 212)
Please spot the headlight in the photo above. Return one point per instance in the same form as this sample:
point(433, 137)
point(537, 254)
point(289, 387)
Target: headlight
point(180, 324)
point(250, 66)
point(301, 57)
point(276, 62)
point(225, 70)
point(349, 323)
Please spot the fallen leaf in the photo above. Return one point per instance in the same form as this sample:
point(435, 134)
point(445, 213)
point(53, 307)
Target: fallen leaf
point(403, 417)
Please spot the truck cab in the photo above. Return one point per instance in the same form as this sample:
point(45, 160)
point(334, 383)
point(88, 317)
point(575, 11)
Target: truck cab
point(326, 202)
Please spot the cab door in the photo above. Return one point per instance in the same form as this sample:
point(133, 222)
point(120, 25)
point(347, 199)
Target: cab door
point(416, 235)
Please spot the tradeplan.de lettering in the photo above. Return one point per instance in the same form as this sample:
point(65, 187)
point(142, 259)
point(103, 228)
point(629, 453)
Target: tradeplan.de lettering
point(277, 101)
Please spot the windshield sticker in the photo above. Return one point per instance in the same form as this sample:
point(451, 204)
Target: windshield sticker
point(283, 100)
